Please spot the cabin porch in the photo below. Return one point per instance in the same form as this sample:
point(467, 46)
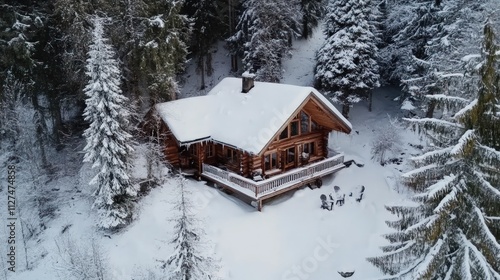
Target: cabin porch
point(258, 191)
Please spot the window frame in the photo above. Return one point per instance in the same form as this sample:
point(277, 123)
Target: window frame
point(269, 156)
point(210, 150)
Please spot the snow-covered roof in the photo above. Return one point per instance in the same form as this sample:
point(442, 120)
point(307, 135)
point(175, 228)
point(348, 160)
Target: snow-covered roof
point(244, 120)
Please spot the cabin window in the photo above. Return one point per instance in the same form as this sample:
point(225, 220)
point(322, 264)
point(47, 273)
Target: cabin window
point(271, 161)
point(231, 155)
point(294, 128)
point(304, 123)
point(284, 133)
point(309, 148)
point(210, 150)
point(314, 126)
point(290, 155)
point(192, 150)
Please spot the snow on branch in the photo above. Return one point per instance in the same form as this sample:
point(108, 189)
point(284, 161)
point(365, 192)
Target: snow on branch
point(427, 263)
point(424, 223)
point(447, 200)
point(470, 56)
point(419, 171)
point(491, 152)
point(461, 147)
point(440, 187)
point(466, 109)
point(436, 125)
point(485, 184)
point(485, 229)
point(438, 97)
point(430, 156)
point(486, 268)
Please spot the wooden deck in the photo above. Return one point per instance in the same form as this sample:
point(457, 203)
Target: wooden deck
point(265, 189)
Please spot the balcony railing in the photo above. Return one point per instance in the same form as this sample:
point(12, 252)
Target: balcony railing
point(284, 180)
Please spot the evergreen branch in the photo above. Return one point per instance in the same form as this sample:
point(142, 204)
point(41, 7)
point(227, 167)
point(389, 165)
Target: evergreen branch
point(490, 238)
point(483, 263)
point(450, 101)
point(447, 200)
point(485, 184)
point(491, 152)
point(431, 261)
point(417, 228)
point(463, 142)
point(460, 114)
point(440, 187)
point(431, 156)
point(435, 125)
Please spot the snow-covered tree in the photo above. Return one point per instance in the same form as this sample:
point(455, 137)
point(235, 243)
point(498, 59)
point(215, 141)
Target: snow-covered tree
point(312, 12)
point(264, 36)
point(452, 230)
point(108, 140)
point(162, 51)
point(189, 261)
point(346, 68)
point(426, 39)
point(207, 29)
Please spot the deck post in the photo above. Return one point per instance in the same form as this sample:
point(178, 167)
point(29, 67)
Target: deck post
point(201, 158)
point(259, 205)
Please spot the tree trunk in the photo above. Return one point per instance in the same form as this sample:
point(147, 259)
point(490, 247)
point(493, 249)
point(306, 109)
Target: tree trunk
point(234, 58)
point(430, 109)
point(40, 132)
point(203, 69)
point(305, 30)
point(55, 109)
point(370, 100)
point(345, 110)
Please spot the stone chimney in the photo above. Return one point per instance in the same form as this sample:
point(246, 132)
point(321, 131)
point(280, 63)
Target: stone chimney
point(247, 80)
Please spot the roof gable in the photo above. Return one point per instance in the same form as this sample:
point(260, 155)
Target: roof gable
point(246, 121)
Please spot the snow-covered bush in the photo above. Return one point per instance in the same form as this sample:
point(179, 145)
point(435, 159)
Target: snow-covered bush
point(80, 260)
point(386, 143)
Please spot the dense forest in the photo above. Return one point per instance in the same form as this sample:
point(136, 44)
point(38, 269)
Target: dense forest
point(87, 71)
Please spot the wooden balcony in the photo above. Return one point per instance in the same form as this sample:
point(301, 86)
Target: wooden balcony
point(261, 190)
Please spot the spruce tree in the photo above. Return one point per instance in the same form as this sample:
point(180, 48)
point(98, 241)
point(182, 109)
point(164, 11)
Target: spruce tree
point(207, 29)
point(312, 12)
point(162, 52)
point(425, 40)
point(188, 262)
point(346, 67)
point(452, 230)
point(264, 36)
point(108, 140)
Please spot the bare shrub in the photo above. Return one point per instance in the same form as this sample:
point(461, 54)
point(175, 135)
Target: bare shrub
point(387, 142)
point(80, 261)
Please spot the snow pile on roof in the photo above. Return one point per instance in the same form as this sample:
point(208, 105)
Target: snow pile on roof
point(247, 121)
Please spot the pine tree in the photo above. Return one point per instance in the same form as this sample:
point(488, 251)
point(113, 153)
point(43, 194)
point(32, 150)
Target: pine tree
point(346, 64)
point(264, 36)
point(452, 232)
point(207, 29)
point(162, 52)
point(108, 142)
point(425, 40)
point(312, 12)
point(188, 262)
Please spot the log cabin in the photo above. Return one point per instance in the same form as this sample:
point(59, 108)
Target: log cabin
point(255, 139)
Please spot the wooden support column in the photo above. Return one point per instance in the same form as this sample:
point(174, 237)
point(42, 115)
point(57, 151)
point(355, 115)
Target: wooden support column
point(325, 143)
point(200, 151)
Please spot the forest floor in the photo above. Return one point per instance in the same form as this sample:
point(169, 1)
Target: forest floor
point(292, 238)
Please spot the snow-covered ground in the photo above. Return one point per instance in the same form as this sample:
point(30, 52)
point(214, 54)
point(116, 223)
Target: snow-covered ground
point(292, 238)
